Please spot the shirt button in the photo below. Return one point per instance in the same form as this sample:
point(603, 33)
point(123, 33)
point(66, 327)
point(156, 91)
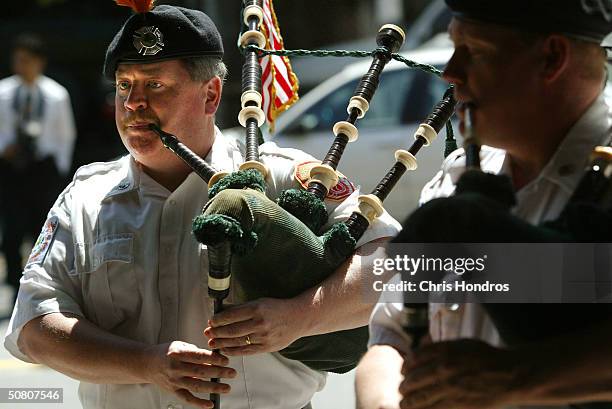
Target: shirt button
point(172, 202)
point(453, 307)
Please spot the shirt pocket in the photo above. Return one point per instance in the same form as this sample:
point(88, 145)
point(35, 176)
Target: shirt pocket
point(110, 289)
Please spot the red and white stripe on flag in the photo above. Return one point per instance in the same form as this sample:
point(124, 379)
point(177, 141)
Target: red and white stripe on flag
point(279, 83)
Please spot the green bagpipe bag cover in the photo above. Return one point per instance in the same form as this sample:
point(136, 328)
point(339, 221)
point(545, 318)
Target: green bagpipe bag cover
point(276, 255)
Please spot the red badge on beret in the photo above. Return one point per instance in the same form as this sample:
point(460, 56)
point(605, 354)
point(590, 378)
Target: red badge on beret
point(341, 191)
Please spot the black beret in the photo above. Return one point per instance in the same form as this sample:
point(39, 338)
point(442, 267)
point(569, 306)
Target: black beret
point(164, 33)
point(589, 20)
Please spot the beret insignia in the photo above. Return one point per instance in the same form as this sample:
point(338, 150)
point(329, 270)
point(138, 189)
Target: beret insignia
point(148, 40)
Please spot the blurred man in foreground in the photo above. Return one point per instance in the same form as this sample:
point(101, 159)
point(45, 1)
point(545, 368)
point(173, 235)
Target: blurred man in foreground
point(534, 74)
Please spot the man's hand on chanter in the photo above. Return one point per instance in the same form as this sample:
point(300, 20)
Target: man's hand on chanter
point(184, 369)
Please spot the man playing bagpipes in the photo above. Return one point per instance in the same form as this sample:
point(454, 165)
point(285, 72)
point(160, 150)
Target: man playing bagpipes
point(532, 75)
point(115, 293)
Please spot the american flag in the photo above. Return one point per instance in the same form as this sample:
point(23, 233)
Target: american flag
point(279, 83)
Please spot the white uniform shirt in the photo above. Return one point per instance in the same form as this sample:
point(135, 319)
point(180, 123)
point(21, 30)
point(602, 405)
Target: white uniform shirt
point(58, 131)
point(541, 200)
point(125, 258)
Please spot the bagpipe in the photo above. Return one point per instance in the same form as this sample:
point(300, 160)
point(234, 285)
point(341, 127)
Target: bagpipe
point(278, 249)
point(479, 212)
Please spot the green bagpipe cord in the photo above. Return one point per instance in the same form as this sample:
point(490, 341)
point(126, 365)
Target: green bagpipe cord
point(276, 255)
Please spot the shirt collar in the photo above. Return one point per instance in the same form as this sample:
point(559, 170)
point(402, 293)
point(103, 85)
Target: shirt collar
point(35, 92)
point(130, 180)
point(491, 161)
point(22, 83)
point(565, 168)
point(34, 88)
point(223, 155)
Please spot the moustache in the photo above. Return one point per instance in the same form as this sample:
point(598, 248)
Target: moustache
point(133, 120)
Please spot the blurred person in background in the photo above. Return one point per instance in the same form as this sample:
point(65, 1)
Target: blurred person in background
point(37, 134)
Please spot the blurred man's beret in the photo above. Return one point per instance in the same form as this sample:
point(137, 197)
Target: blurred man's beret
point(164, 33)
point(589, 20)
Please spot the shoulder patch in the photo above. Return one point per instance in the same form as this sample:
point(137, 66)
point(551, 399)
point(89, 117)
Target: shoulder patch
point(270, 148)
point(97, 168)
point(341, 191)
point(43, 243)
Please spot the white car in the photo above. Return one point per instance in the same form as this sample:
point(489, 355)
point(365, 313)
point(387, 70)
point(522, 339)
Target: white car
point(403, 99)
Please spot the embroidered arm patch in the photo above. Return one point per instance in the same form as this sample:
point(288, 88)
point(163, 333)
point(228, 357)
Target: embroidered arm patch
point(341, 191)
point(43, 243)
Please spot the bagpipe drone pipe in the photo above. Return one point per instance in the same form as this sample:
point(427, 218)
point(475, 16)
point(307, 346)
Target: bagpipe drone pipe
point(480, 212)
point(277, 249)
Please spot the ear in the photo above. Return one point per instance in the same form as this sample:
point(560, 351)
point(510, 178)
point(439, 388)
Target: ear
point(212, 94)
point(556, 50)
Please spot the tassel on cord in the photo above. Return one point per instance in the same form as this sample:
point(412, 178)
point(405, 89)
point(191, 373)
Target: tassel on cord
point(139, 6)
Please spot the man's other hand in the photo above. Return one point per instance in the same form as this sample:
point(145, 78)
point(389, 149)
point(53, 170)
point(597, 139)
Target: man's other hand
point(10, 152)
point(462, 374)
point(264, 325)
point(184, 369)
